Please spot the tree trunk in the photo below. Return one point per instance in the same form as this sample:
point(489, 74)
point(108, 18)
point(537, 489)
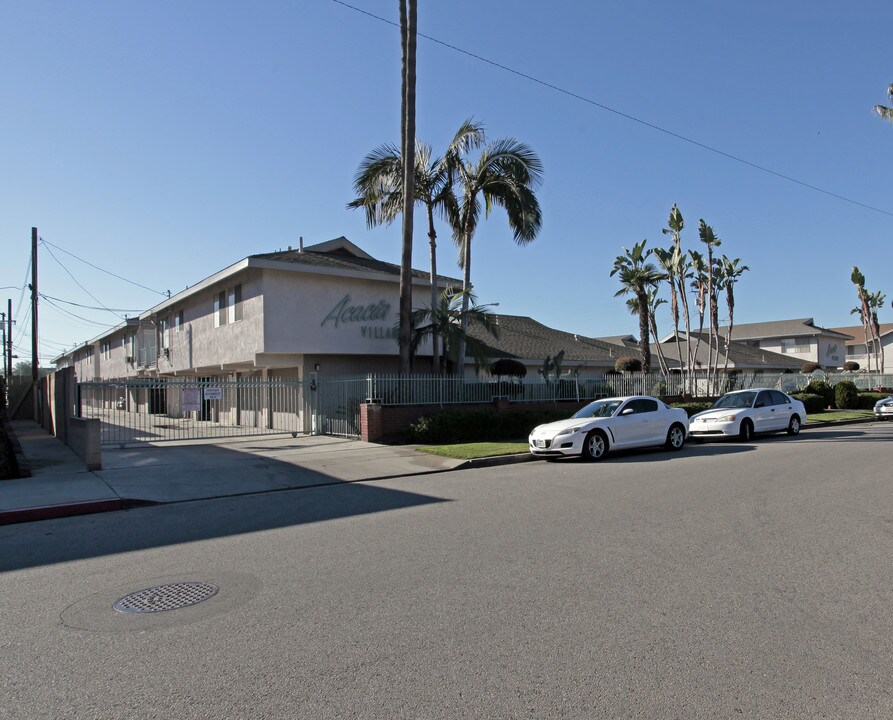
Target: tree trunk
point(408, 39)
point(644, 344)
point(432, 241)
point(466, 290)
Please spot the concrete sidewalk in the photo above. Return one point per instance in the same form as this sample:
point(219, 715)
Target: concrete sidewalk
point(169, 472)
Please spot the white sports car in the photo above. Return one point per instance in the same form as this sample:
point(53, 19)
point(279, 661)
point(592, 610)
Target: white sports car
point(745, 412)
point(883, 409)
point(612, 423)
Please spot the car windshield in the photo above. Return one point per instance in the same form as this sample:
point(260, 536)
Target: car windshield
point(599, 408)
point(736, 400)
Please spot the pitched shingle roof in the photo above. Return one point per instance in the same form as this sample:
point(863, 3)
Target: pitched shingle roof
point(343, 255)
point(523, 337)
point(740, 355)
point(777, 328)
point(857, 332)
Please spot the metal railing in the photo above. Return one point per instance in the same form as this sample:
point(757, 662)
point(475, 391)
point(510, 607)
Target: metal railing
point(448, 390)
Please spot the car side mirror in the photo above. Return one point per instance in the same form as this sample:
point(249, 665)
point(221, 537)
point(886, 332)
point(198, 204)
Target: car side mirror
point(627, 411)
point(759, 404)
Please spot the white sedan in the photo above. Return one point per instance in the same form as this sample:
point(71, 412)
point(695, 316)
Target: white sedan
point(745, 412)
point(612, 423)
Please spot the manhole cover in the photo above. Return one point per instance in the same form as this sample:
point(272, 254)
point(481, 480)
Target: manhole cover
point(166, 597)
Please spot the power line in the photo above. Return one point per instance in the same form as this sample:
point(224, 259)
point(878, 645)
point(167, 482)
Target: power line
point(24, 286)
point(622, 114)
point(52, 255)
point(87, 307)
point(77, 317)
point(107, 272)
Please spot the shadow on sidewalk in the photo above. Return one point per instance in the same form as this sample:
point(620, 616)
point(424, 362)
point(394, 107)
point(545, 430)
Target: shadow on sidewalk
point(317, 498)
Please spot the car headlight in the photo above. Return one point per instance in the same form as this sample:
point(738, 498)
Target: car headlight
point(571, 430)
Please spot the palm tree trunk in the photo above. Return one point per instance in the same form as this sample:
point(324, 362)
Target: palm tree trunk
point(408, 37)
point(730, 302)
point(644, 345)
point(466, 290)
point(432, 241)
point(687, 311)
point(661, 360)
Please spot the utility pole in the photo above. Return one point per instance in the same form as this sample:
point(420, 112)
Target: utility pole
point(9, 336)
point(3, 327)
point(34, 305)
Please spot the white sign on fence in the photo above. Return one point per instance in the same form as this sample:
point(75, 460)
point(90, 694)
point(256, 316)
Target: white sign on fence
point(192, 399)
point(213, 393)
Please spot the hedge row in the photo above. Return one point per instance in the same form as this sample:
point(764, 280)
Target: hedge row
point(452, 426)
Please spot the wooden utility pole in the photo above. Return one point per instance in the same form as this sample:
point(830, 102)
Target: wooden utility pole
point(34, 304)
point(9, 335)
point(3, 324)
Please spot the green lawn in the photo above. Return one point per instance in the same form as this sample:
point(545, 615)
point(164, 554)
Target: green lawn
point(469, 451)
point(837, 415)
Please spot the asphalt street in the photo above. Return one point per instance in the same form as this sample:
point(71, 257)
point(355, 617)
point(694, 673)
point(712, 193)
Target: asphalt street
point(728, 580)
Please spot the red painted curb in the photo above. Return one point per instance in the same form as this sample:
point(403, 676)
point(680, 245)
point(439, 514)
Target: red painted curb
point(47, 512)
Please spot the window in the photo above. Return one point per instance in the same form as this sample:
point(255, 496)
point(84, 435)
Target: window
point(795, 345)
point(178, 321)
point(779, 398)
point(228, 306)
point(165, 333)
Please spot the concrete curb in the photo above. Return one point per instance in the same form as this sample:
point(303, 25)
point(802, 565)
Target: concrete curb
point(48, 512)
point(495, 460)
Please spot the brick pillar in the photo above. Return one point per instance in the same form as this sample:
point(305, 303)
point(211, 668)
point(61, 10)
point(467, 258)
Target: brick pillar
point(370, 422)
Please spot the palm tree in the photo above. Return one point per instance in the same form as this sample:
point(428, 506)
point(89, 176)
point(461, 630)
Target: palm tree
point(672, 263)
point(654, 302)
point(379, 188)
point(676, 223)
point(731, 272)
point(408, 22)
point(505, 174)
point(709, 238)
point(699, 287)
point(444, 320)
point(875, 302)
point(858, 280)
point(637, 277)
point(885, 112)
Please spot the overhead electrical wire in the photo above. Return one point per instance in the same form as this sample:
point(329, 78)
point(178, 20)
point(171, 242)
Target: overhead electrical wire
point(52, 255)
point(107, 272)
point(87, 307)
point(75, 316)
point(622, 114)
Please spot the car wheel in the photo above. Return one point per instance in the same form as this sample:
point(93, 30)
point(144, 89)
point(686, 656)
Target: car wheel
point(675, 438)
point(595, 446)
point(794, 425)
point(746, 433)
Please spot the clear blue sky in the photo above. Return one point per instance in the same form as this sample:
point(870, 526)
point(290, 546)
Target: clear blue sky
point(164, 141)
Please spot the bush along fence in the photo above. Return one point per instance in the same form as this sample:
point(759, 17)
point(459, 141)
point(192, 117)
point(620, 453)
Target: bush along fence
point(450, 409)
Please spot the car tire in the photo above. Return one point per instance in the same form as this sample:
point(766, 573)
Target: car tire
point(746, 432)
point(794, 425)
point(675, 437)
point(595, 446)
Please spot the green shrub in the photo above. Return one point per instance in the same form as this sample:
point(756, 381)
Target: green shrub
point(456, 426)
point(628, 363)
point(812, 402)
point(821, 388)
point(868, 399)
point(692, 407)
point(846, 395)
point(851, 366)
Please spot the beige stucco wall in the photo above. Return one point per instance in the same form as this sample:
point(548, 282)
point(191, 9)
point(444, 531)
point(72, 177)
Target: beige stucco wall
point(301, 313)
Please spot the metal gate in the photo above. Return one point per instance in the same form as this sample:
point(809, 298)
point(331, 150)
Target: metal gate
point(154, 410)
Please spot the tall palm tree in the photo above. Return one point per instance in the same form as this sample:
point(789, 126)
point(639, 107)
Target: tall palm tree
point(408, 22)
point(444, 320)
point(885, 112)
point(670, 263)
point(505, 174)
point(379, 187)
point(637, 276)
point(876, 301)
point(709, 238)
point(675, 225)
point(858, 280)
point(699, 287)
point(731, 273)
